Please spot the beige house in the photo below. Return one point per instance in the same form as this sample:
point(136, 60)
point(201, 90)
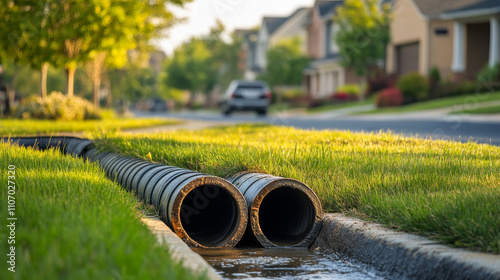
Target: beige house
point(459, 37)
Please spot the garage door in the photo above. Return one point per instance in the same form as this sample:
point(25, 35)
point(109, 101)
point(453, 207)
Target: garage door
point(407, 58)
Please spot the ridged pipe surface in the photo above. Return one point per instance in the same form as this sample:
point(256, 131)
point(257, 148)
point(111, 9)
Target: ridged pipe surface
point(282, 212)
point(208, 211)
point(203, 210)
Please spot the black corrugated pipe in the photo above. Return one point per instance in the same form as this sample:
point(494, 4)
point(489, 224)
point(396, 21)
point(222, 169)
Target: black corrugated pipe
point(283, 212)
point(203, 210)
point(74, 146)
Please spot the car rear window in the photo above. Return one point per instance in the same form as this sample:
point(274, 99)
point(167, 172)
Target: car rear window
point(250, 87)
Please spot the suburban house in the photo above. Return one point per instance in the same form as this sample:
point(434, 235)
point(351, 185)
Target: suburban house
point(457, 37)
point(247, 61)
point(324, 75)
point(275, 29)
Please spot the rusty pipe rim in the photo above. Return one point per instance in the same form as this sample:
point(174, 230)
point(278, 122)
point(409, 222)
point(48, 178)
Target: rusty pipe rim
point(304, 204)
point(236, 219)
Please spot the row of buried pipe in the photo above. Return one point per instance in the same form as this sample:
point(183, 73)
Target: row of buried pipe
point(207, 211)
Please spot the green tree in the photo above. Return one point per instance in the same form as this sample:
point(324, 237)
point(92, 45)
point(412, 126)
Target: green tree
point(68, 33)
point(144, 21)
point(190, 68)
point(285, 63)
point(88, 28)
point(24, 37)
point(202, 63)
point(363, 34)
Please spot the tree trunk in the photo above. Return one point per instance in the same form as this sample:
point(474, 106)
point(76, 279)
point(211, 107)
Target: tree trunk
point(96, 94)
point(10, 91)
point(10, 95)
point(43, 79)
point(94, 70)
point(362, 87)
point(109, 97)
point(70, 80)
point(192, 97)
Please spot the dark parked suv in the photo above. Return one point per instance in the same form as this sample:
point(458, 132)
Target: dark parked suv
point(246, 96)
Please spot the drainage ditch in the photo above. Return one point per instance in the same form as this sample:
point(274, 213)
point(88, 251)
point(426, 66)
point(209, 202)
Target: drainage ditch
point(210, 212)
point(284, 263)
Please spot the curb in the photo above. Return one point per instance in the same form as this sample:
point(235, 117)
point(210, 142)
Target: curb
point(180, 252)
point(402, 255)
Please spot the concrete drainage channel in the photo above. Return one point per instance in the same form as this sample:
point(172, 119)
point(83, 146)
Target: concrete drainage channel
point(214, 214)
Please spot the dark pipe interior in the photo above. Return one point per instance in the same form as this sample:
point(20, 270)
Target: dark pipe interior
point(286, 215)
point(209, 215)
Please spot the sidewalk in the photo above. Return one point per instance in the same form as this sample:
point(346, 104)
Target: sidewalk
point(441, 114)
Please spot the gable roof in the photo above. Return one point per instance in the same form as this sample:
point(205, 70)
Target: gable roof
point(328, 7)
point(299, 10)
point(273, 23)
point(433, 8)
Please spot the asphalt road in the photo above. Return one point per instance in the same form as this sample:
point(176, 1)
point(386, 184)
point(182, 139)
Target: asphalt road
point(451, 128)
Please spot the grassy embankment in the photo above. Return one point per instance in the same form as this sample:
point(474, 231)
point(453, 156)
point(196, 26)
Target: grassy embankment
point(73, 223)
point(458, 103)
point(109, 121)
point(350, 104)
point(445, 190)
point(482, 110)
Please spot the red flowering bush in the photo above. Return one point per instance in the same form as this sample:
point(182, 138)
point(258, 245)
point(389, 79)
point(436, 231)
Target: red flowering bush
point(341, 96)
point(389, 97)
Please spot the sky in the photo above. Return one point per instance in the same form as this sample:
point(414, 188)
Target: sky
point(201, 15)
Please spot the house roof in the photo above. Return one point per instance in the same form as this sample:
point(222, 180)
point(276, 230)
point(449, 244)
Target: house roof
point(436, 7)
point(299, 10)
point(273, 23)
point(490, 6)
point(327, 7)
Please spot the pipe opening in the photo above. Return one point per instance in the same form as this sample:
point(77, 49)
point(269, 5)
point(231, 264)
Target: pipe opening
point(209, 215)
point(286, 216)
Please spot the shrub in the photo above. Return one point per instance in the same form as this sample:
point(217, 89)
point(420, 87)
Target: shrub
point(389, 97)
point(289, 93)
point(414, 87)
point(489, 75)
point(58, 106)
point(460, 88)
point(434, 76)
point(351, 89)
point(380, 81)
point(341, 96)
point(434, 82)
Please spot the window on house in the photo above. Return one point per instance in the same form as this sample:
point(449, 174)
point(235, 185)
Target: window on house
point(334, 28)
point(441, 31)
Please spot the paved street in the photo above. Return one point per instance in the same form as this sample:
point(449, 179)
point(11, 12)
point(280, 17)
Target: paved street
point(455, 127)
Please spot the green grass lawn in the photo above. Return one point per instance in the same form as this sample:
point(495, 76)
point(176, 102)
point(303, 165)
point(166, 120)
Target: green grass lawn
point(330, 107)
point(457, 101)
point(445, 190)
point(49, 127)
point(482, 110)
point(73, 223)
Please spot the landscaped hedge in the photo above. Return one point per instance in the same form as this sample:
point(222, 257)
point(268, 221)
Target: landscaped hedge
point(389, 97)
point(58, 106)
point(414, 87)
